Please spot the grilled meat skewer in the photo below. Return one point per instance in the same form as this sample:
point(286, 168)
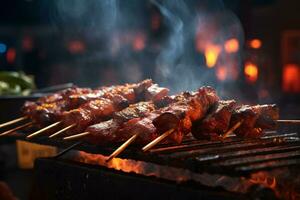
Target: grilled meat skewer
point(255, 119)
point(51, 111)
point(225, 114)
point(216, 122)
point(103, 108)
point(148, 125)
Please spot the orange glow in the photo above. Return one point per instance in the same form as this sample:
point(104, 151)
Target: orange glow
point(291, 78)
point(232, 45)
point(211, 54)
point(76, 46)
point(221, 73)
point(139, 42)
point(255, 43)
point(11, 55)
point(251, 72)
point(263, 179)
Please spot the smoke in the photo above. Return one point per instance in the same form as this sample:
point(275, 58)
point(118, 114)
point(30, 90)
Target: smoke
point(178, 65)
point(179, 60)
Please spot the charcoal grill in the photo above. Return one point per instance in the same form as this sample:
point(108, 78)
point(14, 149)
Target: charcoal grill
point(197, 167)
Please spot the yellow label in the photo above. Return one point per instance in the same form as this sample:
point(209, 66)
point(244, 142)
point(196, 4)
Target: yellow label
point(28, 152)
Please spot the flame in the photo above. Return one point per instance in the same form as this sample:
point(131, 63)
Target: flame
point(211, 54)
point(251, 72)
point(255, 43)
point(138, 167)
point(291, 78)
point(231, 45)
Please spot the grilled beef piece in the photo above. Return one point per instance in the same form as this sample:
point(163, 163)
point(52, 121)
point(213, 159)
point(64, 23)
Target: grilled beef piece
point(255, 119)
point(178, 115)
point(216, 121)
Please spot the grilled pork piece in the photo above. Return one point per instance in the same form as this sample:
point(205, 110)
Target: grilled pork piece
point(178, 115)
point(216, 121)
point(46, 113)
point(255, 119)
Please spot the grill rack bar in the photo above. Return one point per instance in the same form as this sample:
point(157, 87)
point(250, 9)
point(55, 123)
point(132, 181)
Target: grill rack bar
point(233, 156)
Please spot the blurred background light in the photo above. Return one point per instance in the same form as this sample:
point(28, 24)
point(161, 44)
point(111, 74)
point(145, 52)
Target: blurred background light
point(255, 43)
point(251, 72)
point(3, 48)
point(231, 45)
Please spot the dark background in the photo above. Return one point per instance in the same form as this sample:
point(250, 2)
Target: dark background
point(40, 40)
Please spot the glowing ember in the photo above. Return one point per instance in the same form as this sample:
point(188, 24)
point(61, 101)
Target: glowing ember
point(272, 180)
point(251, 72)
point(231, 46)
point(255, 43)
point(291, 78)
point(263, 179)
point(221, 73)
point(211, 55)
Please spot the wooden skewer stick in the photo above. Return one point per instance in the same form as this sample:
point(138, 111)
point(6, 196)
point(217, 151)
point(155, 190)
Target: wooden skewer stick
point(16, 128)
point(238, 124)
point(157, 140)
point(62, 130)
point(13, 122)
point(289, 121)
point(122, 147)
point(80, 135)
point(43, 129)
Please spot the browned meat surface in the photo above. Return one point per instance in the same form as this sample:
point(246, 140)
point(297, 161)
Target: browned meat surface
point(137, 110)
point(155, 93)
point(216, 121)
point(93, 112)
point(255, 119)
point(46, 113)
point(178, 115)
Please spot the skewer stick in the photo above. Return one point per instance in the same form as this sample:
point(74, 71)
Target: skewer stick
point(157, 140)
point(289, 121)
point(16, 128)
point(80, 135)
point(13, 121)
point(238, 124)
point(122, 147)
point(62, 130)
point(43, 129)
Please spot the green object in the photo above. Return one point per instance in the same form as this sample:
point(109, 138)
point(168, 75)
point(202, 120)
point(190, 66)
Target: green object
point(16, 83)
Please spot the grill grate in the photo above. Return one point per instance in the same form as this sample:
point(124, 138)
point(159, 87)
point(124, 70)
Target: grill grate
point(233, 156)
